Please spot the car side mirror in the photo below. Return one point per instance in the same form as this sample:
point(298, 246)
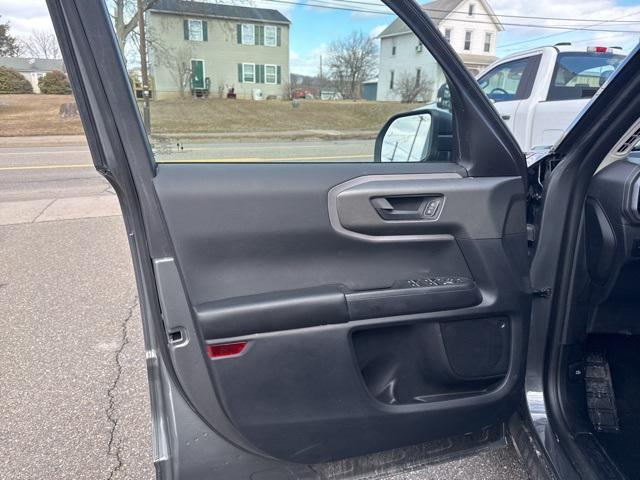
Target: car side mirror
point(424, 135)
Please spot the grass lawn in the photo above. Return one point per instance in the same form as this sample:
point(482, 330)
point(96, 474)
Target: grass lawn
point(25, 115)
point(221, 115)
point(22, 115)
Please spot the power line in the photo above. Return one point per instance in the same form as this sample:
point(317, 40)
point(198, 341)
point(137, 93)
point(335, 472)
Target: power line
point(426, 7)
point(565, 32)
point(524, 25)
point(592, 40)
point(500, 15)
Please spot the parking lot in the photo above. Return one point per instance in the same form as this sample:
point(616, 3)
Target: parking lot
point(73, 381)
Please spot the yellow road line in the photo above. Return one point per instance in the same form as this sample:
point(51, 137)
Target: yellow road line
point(58, 152)
point(197, 160)
point(45, 167)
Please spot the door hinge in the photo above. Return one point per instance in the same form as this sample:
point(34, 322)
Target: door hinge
point(542, 292)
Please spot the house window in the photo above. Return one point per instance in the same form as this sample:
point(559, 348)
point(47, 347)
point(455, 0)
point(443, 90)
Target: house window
point(487, 42)
point(391, 80)
point(271, 74)
point(248, 73)
point(467, 40)
point(195, 30)
point(447, 34)
point(418, 75)
point(393, 50)
point(248, 34)
point(270, 36)
point(472, 7)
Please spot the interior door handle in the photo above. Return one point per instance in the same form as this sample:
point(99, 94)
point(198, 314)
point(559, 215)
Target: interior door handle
point(424, 209)
point(382, 204)
point(505, 117)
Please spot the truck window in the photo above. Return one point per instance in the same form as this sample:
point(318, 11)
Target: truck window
point(511, 80)
point(580, 74)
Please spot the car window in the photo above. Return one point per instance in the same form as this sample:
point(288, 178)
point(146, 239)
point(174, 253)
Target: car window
point(581, 74)
point(237, 84)
point(505, 82)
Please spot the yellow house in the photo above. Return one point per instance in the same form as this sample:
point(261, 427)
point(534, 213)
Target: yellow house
point(211, 48)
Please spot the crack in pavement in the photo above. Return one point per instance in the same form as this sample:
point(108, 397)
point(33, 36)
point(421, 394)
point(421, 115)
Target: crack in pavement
point(43, 210)
point(113, 447)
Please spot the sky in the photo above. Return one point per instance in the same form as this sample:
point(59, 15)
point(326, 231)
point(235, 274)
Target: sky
point(314, 28)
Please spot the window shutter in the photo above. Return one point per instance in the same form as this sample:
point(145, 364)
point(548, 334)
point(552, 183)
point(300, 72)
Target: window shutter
point(278, 75)
point(185, 24)
point(205, 32)
point(262, 74)
point(240, 72)
point(278, 36)
point(239, 33)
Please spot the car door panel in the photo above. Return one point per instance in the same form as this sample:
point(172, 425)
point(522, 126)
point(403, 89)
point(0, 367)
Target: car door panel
point(343, 349)
point(342, 355)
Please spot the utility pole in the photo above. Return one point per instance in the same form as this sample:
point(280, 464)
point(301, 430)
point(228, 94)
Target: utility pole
point(146, 114)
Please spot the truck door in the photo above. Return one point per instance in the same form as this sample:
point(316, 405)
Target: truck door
point(508, 85)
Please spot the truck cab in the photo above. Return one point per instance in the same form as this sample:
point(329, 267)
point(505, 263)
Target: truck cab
point(539, 92)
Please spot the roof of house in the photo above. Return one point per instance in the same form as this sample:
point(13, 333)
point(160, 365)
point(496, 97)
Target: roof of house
point(219, 10)
point(32, 64)
point(437, 10)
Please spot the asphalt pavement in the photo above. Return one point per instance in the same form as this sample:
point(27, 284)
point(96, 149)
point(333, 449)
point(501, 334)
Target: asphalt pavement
point(73, 388)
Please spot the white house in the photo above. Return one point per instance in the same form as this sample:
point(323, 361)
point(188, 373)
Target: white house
point(470, 26)
point(33, 69)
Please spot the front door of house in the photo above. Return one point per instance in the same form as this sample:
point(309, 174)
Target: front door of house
point(197, 74)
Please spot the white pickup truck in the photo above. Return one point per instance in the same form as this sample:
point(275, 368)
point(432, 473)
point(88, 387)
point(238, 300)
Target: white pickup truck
point(539, 92)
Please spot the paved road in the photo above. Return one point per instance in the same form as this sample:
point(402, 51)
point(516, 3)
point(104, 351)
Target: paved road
point(73, 383)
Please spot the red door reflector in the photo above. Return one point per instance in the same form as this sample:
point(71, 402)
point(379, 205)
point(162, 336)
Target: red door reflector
point(225, 349)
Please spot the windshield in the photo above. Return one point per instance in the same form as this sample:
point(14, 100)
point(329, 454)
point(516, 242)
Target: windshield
point(581, 74)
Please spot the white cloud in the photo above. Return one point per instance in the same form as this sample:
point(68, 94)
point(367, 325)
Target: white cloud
point(373, 9)
point(596, 10)
point(284, 8)
point(309, 63)
point(25, 16)
point(377, 30)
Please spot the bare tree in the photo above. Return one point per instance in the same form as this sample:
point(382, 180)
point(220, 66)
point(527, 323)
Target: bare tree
point(41, 44)
point(287, 91)
point(352, 60)
point(124, 15)
point(413, 88)
point(178, 63)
